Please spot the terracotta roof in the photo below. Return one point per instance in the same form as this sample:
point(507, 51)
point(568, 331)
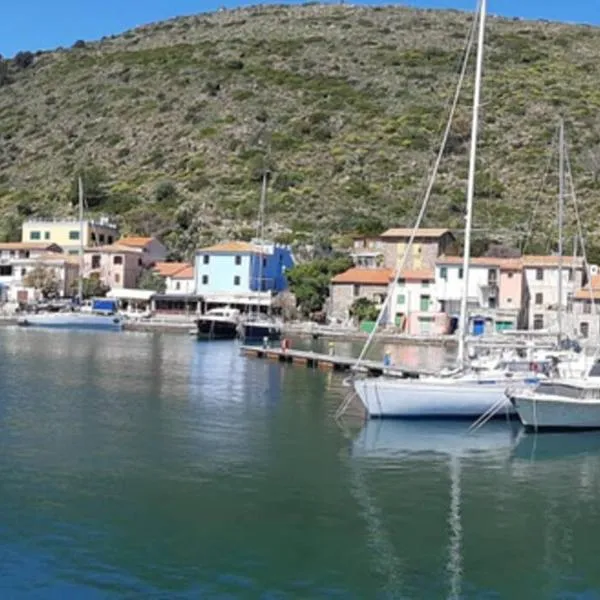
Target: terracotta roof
point(421, 233)
point(504, 264)
point(185, 273)
point(422, 275)
point(168, 269)
point(30, 246)
point(552, 261)
point(230, 247)
point(114, 249)
point(365, 276)
point(585, 294)
point(135, 242)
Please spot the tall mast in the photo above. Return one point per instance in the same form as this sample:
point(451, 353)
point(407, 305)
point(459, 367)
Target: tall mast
point(80, 279)
point(471, 184)
point(561, 202)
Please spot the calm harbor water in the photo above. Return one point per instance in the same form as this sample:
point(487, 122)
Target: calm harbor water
point(147, 466)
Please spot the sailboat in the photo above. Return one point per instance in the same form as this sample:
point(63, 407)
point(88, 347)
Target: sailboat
point(76, 319)
point(461, 392)
point(256, 326)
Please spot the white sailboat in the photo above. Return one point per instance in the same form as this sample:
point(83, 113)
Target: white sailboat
point(75, 319)
point(462, 393)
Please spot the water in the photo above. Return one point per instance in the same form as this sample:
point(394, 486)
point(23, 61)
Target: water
point(142, 466)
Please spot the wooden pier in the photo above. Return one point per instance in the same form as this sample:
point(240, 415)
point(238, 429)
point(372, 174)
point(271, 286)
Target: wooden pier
point(331, 362)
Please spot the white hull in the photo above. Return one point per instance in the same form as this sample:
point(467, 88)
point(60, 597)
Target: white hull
point(556, 413)
point(72, 321)
point(420, 398)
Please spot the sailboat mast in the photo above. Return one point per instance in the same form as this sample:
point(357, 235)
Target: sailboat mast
point(80, 278)
point(561, 202)
point(261, 228)
point(471, 184)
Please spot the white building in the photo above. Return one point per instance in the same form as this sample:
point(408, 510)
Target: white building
point(178, 276)
point(541, 274)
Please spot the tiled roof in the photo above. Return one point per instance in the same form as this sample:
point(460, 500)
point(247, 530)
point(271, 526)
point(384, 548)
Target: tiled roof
point(552, 261)
point(421, 275)
point(185, 273)
point(30, 246)
point(135, 242)
point(585, 294)
point(421, 233)
point(232, 247)
point(168, 269)
point(483, 261)
point(114, 249)
point(364, 276)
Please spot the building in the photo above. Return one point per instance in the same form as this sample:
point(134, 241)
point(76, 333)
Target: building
point(63, 267)
point(178, 276)
point(585, 318)
point(367, 252)
point(241, 274)
point(355, 283)
point(427, 246)
point(541, 274)
point(152, 250)
point(115, 266)
point(414, 307)
point(496, 296)
point(66, 232)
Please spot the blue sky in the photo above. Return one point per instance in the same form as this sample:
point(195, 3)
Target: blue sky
point(46, 24)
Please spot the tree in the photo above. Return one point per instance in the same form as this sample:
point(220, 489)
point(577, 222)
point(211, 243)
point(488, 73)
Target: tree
point(94, 187)
point(310, 281)
point(44, 280)
point(92, 286)
point(363, 309)
point(150, 280)
point(24, 59)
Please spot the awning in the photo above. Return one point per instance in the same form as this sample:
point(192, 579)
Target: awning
point(130, 294)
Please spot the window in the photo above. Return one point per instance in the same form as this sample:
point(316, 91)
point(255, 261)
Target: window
point(587, 307)
point(205, 259)
point(177, 285)
point(539, 298)
point(204, 279)
point(356, 290)
point(23, 272)
point(101, 238)
point(425, 284)
point(5, 271)
point(73, 235)
point(460, 273)
point(444, 273)
point(571, 276)
point(117, 277)
point(424, 303)
point(401, 282)
point(492, 276)
point(238, 260)
point(73, 252)
point(93, 236)
point(401, 299)
point(46, 235)
point(509, 301)
point(584, 329)
point(492, 302)
point(139, 262)
point(538, 322)
point(236, 280)
point(117, 260)
point(96, 258)
point(539, 274)
point(111, 239)
point(510, 274)
point(264, 262)
point(35, 235)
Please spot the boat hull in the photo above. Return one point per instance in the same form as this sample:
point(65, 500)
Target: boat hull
point(556, 414)
point(216, 330)
point(419, 399)
point(257, 332)
point(73, 321)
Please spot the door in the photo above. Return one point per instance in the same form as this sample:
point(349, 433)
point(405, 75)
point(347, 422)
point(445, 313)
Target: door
point(478, 327)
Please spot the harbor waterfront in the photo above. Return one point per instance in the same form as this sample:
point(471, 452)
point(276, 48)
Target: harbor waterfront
point(155, 466)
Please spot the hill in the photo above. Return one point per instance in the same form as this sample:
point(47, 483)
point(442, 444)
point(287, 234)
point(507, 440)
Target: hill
point(165, 122)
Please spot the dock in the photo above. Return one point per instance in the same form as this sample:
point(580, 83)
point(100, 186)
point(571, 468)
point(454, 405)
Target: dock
point(332, 362)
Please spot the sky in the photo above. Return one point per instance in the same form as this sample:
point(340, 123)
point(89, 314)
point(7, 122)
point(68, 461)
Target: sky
point(47, 24)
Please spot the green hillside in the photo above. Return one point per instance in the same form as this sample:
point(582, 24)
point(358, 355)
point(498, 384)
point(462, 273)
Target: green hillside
point(165, 121)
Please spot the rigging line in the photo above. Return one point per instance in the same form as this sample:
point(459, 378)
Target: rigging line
point(538, 196)
point(421, 215)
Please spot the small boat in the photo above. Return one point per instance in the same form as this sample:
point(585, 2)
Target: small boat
point(256, 328)
point(72, 320)
point(561, 404)
point(218, 324)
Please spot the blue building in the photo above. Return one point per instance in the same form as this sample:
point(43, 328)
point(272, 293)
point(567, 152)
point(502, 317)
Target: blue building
point(241, 274)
